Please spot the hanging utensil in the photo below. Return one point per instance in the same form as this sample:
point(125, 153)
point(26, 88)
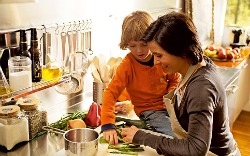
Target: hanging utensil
point(81, 57)
point(64, 44)
point(46, 46)
point(75, 82)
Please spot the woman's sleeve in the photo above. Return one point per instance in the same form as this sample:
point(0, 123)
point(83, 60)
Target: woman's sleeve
point(200, 117)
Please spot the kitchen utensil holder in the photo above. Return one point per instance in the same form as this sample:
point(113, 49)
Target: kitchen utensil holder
point(98, 89)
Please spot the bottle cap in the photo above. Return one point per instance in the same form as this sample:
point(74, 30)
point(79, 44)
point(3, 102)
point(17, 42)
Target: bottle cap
point(9, 111)
point(28, 103)
point(33, 34)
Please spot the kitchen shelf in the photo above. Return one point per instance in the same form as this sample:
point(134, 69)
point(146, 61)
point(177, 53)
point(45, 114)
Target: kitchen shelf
point(36, 86)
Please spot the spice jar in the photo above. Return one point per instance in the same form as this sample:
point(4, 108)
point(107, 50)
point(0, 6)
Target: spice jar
point(36, 115)
point(13, 126)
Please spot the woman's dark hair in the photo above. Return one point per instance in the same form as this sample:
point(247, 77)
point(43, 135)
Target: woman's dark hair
point(176, 34)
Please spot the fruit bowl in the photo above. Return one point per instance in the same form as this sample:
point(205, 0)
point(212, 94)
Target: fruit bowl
point(223, 54)
point(226, 60)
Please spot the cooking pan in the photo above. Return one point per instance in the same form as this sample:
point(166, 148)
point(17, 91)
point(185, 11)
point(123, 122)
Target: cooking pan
point(78, 141)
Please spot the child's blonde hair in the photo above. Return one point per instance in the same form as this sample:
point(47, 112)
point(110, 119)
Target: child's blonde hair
point(134, 25)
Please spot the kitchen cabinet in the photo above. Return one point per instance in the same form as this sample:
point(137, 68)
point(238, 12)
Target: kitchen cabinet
point(230, 79)
point(238, 93)
point(244, 88)
point(246, 84)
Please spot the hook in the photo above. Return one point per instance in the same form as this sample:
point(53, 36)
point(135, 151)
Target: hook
point(63, 27)
point(90, 24)
point(57, 30)
point(86, 25)
point(69, 26)
point(44, 28)
point(74, 27)
point(83, 23)
point(79, 26)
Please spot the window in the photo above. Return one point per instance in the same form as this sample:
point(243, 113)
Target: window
point(237, 13)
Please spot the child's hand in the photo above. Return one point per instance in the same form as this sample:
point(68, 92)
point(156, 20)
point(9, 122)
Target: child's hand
point(111, 136)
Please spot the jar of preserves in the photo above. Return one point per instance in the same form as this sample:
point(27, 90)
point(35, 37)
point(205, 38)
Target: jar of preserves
point(36, 115)
point(13, 126)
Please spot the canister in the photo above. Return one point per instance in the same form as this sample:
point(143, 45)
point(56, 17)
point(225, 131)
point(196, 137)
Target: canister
point(35, 113)
point(98, 89)
point(13, 126)
point(20, 73)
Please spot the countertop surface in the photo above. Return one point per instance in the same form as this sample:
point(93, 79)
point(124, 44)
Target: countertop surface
point(58, 105)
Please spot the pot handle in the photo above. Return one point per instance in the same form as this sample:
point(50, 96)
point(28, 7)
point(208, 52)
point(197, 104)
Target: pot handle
point(53, 130)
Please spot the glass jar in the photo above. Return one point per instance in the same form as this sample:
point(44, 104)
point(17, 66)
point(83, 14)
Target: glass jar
point(20, 71)
point(13, 126)
point(36, 115)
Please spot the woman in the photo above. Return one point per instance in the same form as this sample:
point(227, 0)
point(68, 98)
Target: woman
point(145, 82)
point(197, 107)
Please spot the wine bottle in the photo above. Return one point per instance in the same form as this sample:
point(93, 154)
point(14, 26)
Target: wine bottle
point(23, 46)
point(35, 57)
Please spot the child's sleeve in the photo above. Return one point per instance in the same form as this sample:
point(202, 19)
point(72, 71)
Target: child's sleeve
point(173, 81)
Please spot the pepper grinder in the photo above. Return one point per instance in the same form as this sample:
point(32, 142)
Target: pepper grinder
point(236, 42)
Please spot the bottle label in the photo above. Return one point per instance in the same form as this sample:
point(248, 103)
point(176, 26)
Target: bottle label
point(37, 70)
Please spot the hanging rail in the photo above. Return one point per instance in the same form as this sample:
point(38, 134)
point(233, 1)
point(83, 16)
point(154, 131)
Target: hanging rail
point(76, 24)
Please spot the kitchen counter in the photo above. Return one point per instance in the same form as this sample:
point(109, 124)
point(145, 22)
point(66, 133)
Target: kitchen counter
point(57, 105)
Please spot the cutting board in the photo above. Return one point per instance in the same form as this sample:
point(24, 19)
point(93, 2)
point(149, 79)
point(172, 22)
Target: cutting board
point(102, 151)
point(103, 148)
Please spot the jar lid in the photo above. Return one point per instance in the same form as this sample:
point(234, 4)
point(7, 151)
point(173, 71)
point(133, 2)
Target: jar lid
point(9, 111)
point(28, 103)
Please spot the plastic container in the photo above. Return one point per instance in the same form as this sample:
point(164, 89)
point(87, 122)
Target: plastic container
point(20, 73)
point(36, 115)
point(13, 126)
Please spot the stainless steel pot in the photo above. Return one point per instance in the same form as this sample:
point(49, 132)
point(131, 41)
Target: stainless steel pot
point(79, 141)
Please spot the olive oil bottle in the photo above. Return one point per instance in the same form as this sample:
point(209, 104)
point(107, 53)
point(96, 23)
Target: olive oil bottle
point(35, 57)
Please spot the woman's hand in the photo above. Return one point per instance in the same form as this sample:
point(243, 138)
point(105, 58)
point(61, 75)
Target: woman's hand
point(129, 133)
point(111, 136)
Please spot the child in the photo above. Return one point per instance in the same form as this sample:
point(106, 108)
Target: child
point(145, 82)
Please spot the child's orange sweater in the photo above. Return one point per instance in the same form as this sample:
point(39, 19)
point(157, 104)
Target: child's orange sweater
point(146, 86)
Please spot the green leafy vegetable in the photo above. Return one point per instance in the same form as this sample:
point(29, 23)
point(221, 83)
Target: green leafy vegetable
point(127, 148)
point(62, 123)
point(120, 152)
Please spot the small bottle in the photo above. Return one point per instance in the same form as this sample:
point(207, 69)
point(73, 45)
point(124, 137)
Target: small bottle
point(35, 57)
point(14, 126)
point(23, 46)
point(36, 115)
point(52, 70)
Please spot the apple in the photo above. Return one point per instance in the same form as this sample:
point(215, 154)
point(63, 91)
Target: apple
point(229, 48)
point(237, 49)
point(235, 53)
point(221, 49)
point(211, 47)
point(230, 55)
point(222, 54)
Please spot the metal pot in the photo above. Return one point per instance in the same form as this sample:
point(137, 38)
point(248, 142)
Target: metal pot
point(78, 141)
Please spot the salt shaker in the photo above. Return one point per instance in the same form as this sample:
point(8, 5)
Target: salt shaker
point(13, 126)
